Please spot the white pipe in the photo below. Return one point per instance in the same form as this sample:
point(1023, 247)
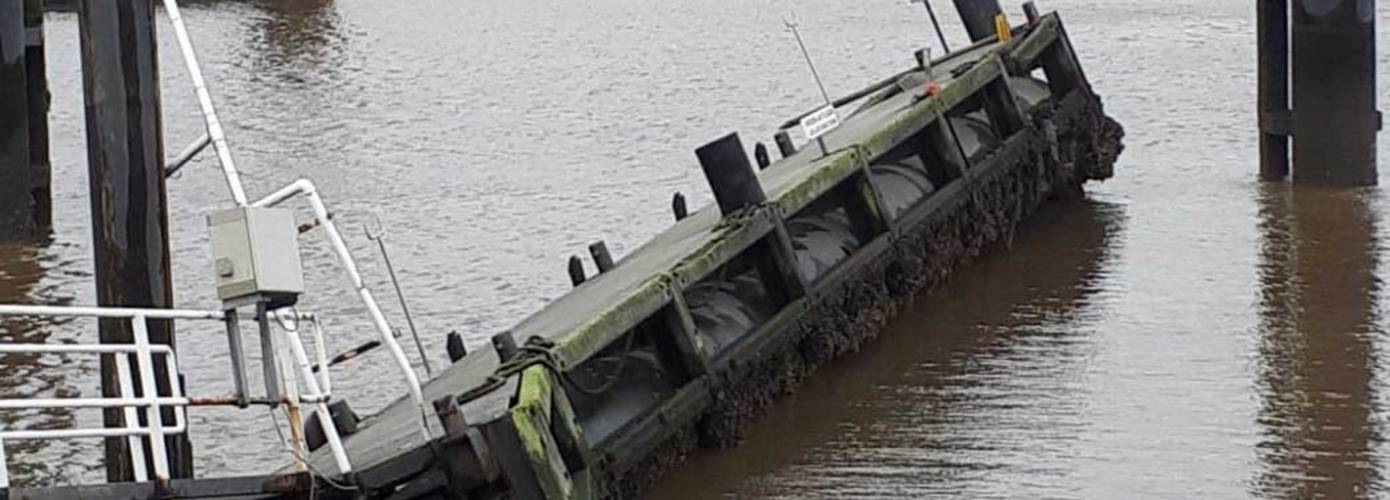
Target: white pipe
point(321, 352)
point(4, 468)
point(145, 363)
point(51, 403)
point(214, 127)
point(171, 370)
point(173, 166)
point(107, 312)
point(162, 350)
point(132, 419)
point(45, 434)
point(330, 428)
point(305, 187)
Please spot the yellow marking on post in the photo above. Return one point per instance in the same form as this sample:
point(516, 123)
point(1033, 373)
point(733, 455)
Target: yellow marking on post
point(1001, 27)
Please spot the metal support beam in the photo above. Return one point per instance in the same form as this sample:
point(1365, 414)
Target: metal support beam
point(1335, 121)
point(125, 152)
point(1273, 40)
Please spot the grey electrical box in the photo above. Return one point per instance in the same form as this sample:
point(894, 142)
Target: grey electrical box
point(255, 256)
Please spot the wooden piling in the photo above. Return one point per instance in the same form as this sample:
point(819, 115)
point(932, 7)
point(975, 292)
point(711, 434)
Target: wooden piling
point(15, 207)
point(1274, 118)
point(1335, 121)
point(36, 74)
point(978, 17)
point(130, 233)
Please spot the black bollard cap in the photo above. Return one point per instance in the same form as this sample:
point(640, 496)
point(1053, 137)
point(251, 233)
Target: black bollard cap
point(505, 346)
point(678, 207)
point(454, 344)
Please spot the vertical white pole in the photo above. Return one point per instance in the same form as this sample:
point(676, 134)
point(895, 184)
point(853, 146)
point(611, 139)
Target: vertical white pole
point(330, 428)
point(289, 387)
point(132, 418)
point(4, 468)
point(145, 363)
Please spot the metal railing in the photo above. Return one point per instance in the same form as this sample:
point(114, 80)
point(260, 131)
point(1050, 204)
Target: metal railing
point(216, 136)
point(316, 391)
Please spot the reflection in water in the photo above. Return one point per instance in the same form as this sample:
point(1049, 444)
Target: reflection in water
point(300, 35)
point(1317, 267)
point(974, 392)
point(21, 271)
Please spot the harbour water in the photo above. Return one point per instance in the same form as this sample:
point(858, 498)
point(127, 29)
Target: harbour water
point(1186, 331)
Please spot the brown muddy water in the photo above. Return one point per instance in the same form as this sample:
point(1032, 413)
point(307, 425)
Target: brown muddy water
point(1184, 332)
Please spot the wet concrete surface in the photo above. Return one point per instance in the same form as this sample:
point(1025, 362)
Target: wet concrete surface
point(1184, 332)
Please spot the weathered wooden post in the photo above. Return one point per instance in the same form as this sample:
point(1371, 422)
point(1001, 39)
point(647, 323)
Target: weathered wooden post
point(978, 17)
point(1273, 41)
point(125, 153)
point(36, 74)
point(15, 208)
point(1335, 121)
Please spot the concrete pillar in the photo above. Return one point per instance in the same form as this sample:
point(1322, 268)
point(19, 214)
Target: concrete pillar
point(125, 153)
point(978, 17)
point(1335, 121)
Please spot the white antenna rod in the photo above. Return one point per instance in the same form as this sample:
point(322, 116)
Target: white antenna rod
point(791, 23)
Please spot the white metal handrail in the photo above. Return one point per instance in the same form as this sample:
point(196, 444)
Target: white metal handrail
point(316, 390)
point(217, 136)
point(306, 188)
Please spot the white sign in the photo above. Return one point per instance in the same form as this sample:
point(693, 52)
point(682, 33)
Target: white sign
point(820, 122)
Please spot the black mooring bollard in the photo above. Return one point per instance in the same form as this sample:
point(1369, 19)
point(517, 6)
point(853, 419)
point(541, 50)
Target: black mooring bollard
point(784, 143)
point(505, 346)
point(678, 207)
point(1335, 121)
point(978, 17)
point(576, 268)
point(730, 176)
point(602, 259)
point(454, 344)
point(760, 154)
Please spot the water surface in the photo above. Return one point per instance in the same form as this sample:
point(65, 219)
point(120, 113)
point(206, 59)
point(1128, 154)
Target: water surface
point(1184, 332)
